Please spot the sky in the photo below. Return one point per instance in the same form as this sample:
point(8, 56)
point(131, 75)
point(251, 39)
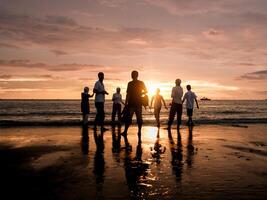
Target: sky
point(51, 49)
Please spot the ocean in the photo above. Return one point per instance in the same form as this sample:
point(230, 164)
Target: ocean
point(67, 112)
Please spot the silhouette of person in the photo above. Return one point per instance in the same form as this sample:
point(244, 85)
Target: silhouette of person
point(158, 100)
point(85, 108)
point(135, 90)
point(190, 98)
point(99, 90)
point(117, 101)
point(177, 155)
point(176, 106)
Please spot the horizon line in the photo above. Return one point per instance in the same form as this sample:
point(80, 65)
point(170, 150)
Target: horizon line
point(111, 99)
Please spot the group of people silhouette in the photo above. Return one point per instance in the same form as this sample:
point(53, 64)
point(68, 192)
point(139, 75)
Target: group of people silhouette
point(136, 98)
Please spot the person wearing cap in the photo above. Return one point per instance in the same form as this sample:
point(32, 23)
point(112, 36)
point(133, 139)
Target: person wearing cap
point(117, 101)
point(176, 105)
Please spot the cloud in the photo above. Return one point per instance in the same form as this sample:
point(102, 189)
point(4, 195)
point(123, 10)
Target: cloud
point(5, 45)
point(59, 52)
point(60, 67)
point(80, 69)
point(62, 35)
point(258, 75)
point(26, 78)
point(113, 3)
point(185, 7)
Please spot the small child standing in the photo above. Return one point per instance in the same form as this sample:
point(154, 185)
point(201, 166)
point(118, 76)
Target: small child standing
point(85, 108)
point(158, 100)
point(190, 97)
point(117, 101)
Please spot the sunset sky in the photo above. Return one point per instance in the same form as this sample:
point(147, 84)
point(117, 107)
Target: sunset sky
point(53, 48)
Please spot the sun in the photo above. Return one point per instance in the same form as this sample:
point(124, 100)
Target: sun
point(151, 90)
point(152, 86)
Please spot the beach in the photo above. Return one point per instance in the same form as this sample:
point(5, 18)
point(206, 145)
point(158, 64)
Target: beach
point(71, 162)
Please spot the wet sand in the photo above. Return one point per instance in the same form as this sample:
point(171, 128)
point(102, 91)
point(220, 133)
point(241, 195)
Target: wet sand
point(208, 162)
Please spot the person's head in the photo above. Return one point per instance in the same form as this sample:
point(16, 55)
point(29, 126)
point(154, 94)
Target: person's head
point(188, 87)
point(134, 75)
point(101, 76)
point(157, 91)
point(118, 90)
point(86, 89)
point(178, 82)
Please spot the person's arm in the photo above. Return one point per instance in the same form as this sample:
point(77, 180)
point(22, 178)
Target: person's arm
point(121, 100)
point(197, 103)
point(183, 99)
point(144, 88)
point(163, 102)
point(99, 90)
point(91, 95)
point(127, 95)
point(105, 92)
point(173, 91)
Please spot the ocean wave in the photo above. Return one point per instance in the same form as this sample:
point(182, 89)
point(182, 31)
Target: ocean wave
point(52, 113)
point(76, 122)
point(230, 112)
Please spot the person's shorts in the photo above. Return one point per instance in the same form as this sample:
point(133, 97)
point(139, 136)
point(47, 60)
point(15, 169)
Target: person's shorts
point(138, 112)
point(189, 112)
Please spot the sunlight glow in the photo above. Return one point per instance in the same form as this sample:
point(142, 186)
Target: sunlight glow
point(165, 88)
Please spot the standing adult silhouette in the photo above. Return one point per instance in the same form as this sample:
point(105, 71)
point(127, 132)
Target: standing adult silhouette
point(135, 90)
point(177, 105)
point(99, 90)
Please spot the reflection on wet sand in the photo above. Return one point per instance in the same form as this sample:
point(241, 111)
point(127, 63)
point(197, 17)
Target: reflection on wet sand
point(176, 155)
point(85, 140)
point(160, 167)
point(116, 139)
point(177, 152)
point(158, 149)
point(135, 171)
point(190, 148)
point(99, 161)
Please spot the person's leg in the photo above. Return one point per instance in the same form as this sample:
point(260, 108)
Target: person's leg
point(156, 113)
point(101, 115)
point(97, 114)
point(113, 112)
point(171, 115)
point(128, 121)
point(179, 115)
point(188, 115)
point(86, 118)
point(138, 113)
point(191, 116)
point(190, 119)
point(119, 112)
